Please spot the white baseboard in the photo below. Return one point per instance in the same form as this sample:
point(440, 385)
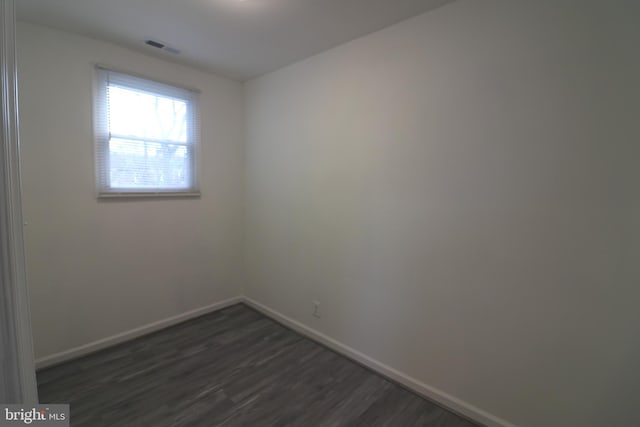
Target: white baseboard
point(431, 393)
point(94, 346)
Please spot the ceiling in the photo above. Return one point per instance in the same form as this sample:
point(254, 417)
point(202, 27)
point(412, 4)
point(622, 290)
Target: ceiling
point(240, 39)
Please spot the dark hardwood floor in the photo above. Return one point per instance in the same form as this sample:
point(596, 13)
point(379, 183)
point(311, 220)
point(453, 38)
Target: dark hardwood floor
point(234, 367)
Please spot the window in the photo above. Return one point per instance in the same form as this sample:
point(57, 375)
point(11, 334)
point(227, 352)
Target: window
point(145, 137)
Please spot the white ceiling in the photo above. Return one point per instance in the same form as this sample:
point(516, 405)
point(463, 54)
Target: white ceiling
point(240, 39)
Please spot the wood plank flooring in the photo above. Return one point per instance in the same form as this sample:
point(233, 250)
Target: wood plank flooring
point(234, 367)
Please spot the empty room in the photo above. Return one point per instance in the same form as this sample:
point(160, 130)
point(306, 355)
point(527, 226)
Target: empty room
point(320, 213)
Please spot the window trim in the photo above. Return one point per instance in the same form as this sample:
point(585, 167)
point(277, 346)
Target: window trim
point(101, 138)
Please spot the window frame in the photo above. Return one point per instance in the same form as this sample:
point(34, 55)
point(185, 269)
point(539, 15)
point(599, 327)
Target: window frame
point(102, 134)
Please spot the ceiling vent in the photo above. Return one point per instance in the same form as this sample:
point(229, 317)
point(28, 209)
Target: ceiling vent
point(162, 46)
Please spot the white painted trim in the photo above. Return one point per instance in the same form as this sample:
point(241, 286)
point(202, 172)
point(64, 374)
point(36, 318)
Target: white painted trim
point(17, 374)
point(94, 346)
point(427, 391)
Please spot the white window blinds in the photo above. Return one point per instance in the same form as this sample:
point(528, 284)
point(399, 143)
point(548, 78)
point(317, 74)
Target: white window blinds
point(146, 137)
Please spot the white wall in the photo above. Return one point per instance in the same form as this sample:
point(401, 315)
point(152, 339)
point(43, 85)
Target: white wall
point(460, 191)
point(99, 268)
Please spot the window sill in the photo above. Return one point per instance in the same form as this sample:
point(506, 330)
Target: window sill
point(148, 195)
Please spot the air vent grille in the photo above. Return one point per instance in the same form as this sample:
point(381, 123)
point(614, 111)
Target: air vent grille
point(162, 46)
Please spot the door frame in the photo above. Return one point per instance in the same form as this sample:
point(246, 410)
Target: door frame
point(17, 370)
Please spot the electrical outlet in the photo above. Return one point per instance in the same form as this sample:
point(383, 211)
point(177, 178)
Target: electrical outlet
point(316, 308)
